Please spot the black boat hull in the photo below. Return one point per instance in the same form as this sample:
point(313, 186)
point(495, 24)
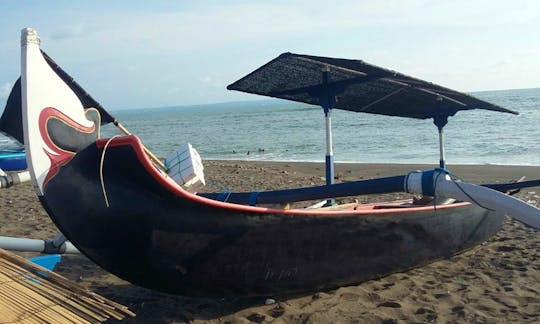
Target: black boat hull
point(159, 236)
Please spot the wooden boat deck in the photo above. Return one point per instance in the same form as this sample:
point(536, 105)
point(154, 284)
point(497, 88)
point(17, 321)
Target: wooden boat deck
point(32, 294)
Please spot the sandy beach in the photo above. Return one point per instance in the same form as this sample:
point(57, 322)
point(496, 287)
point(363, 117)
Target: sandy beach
point(496, 282)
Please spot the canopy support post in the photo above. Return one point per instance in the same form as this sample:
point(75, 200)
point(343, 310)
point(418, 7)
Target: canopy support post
point(329, 148)
point(442, 163)
point(329, 152)
point(327, 100)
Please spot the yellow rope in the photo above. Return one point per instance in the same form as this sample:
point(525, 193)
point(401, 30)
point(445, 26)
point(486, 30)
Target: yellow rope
point(101, 170)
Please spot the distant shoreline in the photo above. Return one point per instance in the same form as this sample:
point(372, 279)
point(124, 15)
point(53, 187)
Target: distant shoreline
point(474, 173)
point(263, 102)
point(381, 163)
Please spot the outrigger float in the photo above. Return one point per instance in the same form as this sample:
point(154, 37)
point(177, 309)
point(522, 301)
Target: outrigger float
point(120, 208)
point(12, 159)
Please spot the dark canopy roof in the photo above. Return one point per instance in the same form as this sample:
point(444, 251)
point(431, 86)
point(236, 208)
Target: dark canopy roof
point(358, 86)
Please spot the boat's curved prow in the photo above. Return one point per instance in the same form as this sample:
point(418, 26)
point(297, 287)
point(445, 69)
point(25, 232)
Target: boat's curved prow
point(47, 100)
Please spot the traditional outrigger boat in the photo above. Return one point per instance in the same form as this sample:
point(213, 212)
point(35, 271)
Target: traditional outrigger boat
point(117, 206)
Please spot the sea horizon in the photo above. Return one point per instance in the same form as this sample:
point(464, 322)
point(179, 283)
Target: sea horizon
point(265, 99)
point(279, 130)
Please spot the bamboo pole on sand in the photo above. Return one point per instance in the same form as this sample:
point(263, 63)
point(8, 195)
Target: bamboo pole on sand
point(32, 294)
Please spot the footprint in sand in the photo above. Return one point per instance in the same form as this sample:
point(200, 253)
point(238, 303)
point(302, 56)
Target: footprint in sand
point(427, 314)
point(506, 248)
point(390, 304)
point(277, 311)
point(257, 318)
point(388, 285)
point(350, 296)
point(459, 311)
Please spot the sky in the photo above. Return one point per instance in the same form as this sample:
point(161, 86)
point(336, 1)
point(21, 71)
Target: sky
point(142, 54)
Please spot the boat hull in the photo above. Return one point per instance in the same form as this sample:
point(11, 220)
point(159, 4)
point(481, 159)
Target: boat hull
point(163, 238)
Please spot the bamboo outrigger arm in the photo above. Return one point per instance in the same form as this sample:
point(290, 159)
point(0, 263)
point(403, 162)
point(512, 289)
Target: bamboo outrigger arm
point(152, 156)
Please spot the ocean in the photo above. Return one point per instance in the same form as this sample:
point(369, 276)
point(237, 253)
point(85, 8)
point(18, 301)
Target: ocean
point(276, 130)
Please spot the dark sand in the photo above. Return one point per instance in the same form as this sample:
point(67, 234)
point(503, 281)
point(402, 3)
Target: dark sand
point(497, 282)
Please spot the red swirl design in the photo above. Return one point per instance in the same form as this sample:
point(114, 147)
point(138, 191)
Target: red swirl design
point(59, 157)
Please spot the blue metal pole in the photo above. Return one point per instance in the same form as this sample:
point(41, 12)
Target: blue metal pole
point(345, 189)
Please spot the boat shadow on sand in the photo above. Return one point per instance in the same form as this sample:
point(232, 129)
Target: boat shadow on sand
point(153, 306)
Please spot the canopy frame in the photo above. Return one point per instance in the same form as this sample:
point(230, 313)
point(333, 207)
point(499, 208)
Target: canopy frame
point(360, 87)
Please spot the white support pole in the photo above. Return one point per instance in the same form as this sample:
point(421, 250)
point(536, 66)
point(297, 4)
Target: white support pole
point(329, 149)
point(34, 245)
point(442, 158)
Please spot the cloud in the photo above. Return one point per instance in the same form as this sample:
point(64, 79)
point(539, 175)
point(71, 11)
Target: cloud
point(499, 65)
point(69, 31)
point(438, 13)
point(254, 23)
point(200, 27)
point(195, 45)
point(5, 89)
point(212, 81)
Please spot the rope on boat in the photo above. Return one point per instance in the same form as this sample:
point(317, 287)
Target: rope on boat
point(224, 196)
point(101, 170)
point(225, 192)
point(435, 191)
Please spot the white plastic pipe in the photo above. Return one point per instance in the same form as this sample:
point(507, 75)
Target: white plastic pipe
point(21, 244)
point(34, 245)
point(9, 179)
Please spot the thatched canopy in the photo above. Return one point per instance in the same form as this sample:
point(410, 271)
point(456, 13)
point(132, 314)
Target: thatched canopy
point(357, 86)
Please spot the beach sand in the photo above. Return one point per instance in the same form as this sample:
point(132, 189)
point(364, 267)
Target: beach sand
point(496, 282)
